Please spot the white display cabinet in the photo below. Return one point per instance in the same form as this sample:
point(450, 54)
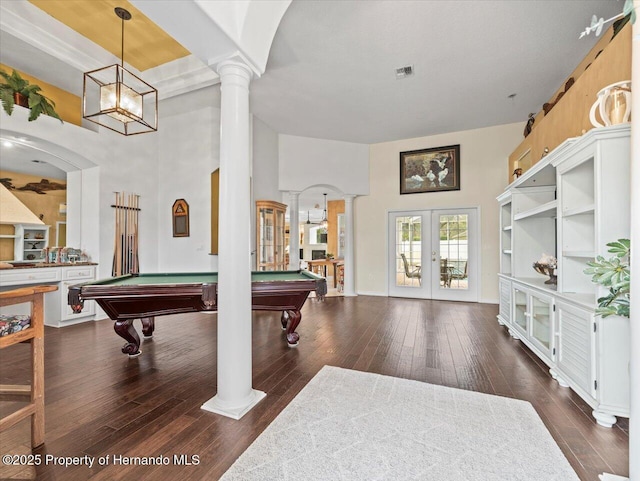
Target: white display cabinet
point(532, 320)
point(506, 228)
point(29, 241)
point(570, 205)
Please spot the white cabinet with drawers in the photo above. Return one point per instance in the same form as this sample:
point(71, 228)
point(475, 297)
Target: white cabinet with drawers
point(57, 311)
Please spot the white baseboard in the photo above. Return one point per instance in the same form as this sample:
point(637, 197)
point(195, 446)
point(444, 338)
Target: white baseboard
point(367, 293)
point(489, 301)
point(611, 477)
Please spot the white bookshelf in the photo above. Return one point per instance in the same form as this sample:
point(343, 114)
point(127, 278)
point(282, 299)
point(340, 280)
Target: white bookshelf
point(570, 205)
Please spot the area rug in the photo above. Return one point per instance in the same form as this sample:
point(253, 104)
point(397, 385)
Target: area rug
point(350, 425)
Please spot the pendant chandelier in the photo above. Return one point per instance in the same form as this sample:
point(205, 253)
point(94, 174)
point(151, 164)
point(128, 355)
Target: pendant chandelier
point(117, 99)
point(325, 221)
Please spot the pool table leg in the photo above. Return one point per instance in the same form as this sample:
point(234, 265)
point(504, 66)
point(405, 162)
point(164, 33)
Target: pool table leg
point(125, 329)
point(148, 326)
point(290, 320)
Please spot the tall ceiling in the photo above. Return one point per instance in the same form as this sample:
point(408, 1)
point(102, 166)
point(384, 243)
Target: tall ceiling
point(331, 69)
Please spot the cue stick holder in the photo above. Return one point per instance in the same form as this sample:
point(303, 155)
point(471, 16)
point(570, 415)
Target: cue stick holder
point(125, 254)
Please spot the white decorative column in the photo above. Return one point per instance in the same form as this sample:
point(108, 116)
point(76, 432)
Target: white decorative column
point(634, 321)
point(349, 256)
point(294, 231)
point(235, 395)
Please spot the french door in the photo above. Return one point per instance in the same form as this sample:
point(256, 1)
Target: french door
point(433, 254)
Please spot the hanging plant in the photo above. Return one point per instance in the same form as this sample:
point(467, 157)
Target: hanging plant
point(615, 274)
point(14, 88)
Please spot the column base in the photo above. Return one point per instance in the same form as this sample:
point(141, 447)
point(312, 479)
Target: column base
point(213, 405)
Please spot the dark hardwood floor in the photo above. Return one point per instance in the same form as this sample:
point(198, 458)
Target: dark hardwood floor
point(99, 402)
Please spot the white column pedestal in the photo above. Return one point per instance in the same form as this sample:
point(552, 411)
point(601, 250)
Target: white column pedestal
point(235, 395)
point(294, 231)
point(349, 256)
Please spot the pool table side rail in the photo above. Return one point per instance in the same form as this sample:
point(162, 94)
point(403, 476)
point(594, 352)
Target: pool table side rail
point(149, 300)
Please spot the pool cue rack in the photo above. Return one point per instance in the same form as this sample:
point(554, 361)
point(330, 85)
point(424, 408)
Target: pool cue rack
point(125, 255)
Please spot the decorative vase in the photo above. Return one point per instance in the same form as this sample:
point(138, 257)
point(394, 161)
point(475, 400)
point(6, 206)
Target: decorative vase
point(613, 104)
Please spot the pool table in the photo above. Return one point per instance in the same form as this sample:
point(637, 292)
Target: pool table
point(145, 296)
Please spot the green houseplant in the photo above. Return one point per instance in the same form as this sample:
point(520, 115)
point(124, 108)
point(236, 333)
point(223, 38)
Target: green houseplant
point(14, 88)
point(615, 274)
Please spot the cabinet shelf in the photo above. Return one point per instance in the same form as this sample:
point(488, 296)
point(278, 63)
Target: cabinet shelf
point(585, 209)
point(585, 254)
point(507, 251)
point(507, 228)
point(544, 210)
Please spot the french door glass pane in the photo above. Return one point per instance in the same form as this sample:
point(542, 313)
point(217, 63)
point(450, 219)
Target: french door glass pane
point(408, 251)
point(454, 252)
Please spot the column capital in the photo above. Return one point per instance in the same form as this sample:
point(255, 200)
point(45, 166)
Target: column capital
point(234, 66)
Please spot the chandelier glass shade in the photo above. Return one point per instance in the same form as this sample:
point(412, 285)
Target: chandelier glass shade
point(118, 99)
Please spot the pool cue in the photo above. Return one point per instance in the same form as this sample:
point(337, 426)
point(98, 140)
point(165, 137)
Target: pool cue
point(126, 234)
point(122, 232)
point(116, 252)
point(135, 233)
point(130, 236)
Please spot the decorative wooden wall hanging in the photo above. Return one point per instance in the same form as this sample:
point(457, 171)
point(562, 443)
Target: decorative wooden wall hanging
point(180, 213)
point(125, 257)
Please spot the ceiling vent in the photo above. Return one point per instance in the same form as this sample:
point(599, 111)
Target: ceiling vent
point(405, 71)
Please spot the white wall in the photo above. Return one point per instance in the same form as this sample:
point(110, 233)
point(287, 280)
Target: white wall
point(305, 162)
point(483, 154)
point(264, 172)
point(189, 151)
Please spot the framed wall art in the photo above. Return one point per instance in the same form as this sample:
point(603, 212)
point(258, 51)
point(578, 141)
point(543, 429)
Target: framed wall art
point(430, 170)
point(180, 215)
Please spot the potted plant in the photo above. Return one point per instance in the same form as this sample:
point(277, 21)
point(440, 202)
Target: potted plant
point(16, 90)
point(615, 274)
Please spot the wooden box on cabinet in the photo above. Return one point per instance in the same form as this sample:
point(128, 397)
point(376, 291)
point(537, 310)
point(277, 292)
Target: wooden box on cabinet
point(270, 229)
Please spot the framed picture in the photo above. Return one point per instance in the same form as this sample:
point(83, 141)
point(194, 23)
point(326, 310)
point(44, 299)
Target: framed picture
point(430, 170)
point(180, 215)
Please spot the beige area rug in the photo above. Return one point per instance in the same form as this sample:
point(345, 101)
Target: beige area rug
point(350, 425)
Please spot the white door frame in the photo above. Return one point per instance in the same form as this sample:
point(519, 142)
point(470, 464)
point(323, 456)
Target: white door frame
point(430, 287)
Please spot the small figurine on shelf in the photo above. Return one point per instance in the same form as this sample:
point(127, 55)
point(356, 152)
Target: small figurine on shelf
point(547, 266)
point(517, 170)
point(529, 126)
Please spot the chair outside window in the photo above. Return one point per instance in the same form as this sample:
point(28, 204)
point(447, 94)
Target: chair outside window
point(412, 272)
point(15, 329)
point(445, 273)
point(459, 271)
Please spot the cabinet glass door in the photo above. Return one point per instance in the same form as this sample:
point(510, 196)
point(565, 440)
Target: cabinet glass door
point(266, 238)
point(279, 239)
point(520, 308)
point(541, 321)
